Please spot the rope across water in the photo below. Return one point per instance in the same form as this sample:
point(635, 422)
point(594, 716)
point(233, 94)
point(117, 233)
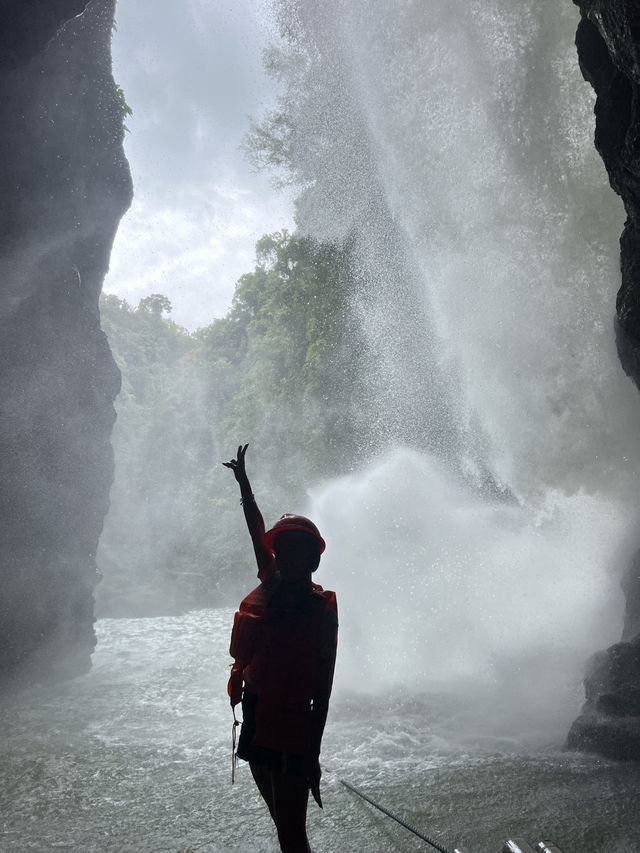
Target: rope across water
point(397, 819)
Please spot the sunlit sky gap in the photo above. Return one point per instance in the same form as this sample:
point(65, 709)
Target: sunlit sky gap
point(192, 75)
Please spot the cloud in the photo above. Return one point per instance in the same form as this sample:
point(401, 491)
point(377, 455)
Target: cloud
point(192, 76)
point(195, 246)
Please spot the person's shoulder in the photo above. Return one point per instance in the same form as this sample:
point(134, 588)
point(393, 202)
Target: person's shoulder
point(258, 599)
point(327, 596)
point(266, 568)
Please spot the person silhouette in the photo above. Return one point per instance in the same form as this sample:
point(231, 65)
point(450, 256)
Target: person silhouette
point(283, 642)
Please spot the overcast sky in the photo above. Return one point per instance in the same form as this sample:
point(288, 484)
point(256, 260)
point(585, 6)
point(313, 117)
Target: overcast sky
point(191, 72)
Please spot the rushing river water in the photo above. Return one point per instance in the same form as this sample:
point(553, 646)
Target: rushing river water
point(135, 756)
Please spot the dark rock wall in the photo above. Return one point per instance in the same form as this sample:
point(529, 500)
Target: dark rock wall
point(610, 720)
point(64, 185)
point(608, 43)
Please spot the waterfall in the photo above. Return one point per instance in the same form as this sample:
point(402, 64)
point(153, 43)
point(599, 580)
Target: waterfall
point(451, 144)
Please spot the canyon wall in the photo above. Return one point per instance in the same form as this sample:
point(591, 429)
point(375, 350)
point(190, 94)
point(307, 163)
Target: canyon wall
point(608, 43)
point(64, 184)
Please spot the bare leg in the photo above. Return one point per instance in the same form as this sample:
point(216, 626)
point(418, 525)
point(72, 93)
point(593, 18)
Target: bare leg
point(262, 778)
point(291, 795)
point(286, 796)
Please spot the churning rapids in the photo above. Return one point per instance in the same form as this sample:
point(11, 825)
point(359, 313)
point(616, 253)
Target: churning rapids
point(135, 758)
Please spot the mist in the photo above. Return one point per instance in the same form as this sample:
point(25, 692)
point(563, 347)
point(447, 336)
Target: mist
point(408, 313)
point(477, 146)
point(456, 172)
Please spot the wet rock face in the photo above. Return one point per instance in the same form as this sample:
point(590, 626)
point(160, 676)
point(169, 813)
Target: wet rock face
point(64, 185)
point(610, 719)
point(608, 43)
point(29, 24)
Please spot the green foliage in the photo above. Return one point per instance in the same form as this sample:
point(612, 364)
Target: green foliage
point(145, 345)
point(141, 536)
point(295, 391)
point(268, 144)
point(281, 371)
point(155, 304)
point(125, 109)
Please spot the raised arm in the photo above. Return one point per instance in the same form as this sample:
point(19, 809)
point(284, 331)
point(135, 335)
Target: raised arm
point(252, 514)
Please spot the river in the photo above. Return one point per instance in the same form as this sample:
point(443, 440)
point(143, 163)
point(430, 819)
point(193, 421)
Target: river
point(135, 756)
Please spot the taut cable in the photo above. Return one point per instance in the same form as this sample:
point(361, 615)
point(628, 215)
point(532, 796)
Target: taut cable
point(397, 819)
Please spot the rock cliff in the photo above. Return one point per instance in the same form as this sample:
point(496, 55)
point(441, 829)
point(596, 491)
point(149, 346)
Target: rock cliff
point(608, 43)
point(64, 184)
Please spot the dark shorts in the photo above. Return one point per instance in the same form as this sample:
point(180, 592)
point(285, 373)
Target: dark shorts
point(281, 762)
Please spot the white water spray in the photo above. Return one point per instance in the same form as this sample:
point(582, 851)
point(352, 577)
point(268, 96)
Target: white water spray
point(465, 130)
point(440, 588)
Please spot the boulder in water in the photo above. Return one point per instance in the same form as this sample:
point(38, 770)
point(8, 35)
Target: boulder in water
point(610, 720)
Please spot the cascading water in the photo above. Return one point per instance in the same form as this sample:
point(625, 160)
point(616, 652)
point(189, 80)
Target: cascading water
point(442, 589)
point(476, 560)
point(451, 144)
